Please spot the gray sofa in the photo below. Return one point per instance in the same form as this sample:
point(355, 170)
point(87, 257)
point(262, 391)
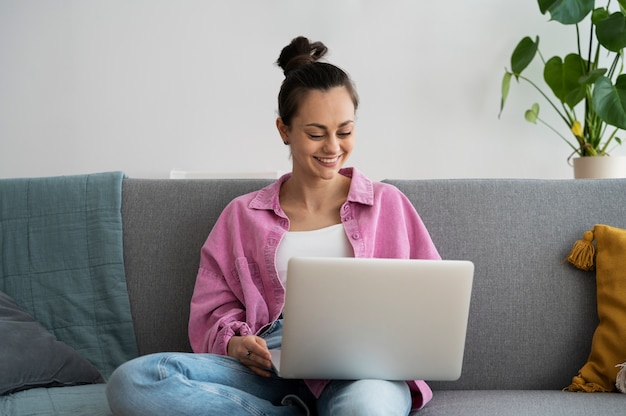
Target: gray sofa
point(532, 316)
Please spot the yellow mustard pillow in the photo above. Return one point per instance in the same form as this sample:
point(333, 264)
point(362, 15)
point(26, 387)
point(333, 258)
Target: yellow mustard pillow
point(608, 346)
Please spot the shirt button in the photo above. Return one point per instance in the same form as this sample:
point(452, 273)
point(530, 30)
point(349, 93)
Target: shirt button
point(356, 236)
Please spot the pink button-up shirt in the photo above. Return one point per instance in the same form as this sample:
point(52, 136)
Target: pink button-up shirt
point(238, 290)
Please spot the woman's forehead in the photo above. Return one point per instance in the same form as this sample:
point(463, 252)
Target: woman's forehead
point(320, 107)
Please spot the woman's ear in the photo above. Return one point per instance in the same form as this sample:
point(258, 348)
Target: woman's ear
point(283, 129)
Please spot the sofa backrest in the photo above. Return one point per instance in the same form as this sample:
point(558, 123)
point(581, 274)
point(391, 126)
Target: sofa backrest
point(165, 223)
point(532, 316)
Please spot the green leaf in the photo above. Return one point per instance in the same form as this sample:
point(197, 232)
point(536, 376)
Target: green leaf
point(611, 32)
point(591, 77)
point(568, 12)
point(610, 100)
point(532, 114)
point(563, 78)
point(523, 54)
point(599, 14)
point(506, 85)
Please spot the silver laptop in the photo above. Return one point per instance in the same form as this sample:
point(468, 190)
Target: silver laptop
point(348, 318)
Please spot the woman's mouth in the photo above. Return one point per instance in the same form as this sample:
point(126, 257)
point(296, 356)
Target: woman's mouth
point(328, 161)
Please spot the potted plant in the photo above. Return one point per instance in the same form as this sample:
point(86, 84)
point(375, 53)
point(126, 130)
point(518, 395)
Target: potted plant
point(587, 85)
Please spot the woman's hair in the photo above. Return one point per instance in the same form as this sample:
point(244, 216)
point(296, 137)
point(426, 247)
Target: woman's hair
point(303, 72)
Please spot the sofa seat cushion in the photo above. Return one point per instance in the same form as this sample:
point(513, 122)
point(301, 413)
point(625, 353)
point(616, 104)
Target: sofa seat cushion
point(523, 403)
point(87, 400)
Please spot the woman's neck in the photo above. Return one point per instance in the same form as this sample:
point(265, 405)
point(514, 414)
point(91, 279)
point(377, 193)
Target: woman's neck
point(311, 206)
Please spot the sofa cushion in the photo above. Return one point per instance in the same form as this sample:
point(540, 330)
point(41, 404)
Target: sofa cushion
point(30, 356)
point(522, 403)
point(608, 345)
point(87, 400)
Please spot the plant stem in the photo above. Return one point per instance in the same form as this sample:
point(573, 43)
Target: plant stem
point(576, 149)
point(614, 65)
point(565, 119)
point(590, 47)
point(606, 144)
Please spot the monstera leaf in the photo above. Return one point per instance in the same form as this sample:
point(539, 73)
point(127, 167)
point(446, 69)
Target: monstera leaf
point(610, 100)
point(611, 31)
point(563, 78)
point(568, 12)
point(523, 54)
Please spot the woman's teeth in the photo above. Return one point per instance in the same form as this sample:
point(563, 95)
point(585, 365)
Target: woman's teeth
point(325, 160)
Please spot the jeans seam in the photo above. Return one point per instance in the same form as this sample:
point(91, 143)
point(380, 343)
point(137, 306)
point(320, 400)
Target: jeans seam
point(251, 409)
point(235, 399)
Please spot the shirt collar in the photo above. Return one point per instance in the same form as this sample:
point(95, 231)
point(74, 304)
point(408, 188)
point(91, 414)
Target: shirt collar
point(361, 191)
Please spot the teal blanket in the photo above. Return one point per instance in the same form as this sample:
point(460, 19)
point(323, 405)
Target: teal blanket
point(61, 259)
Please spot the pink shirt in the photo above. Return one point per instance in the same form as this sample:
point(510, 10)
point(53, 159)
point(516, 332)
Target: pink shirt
point(238, 290)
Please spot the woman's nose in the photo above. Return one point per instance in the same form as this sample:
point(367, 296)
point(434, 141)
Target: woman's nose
point(332, 144)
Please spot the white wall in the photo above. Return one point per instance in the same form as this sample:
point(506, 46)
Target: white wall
point(145, 86)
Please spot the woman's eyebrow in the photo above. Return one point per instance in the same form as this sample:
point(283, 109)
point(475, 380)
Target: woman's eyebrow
point(321, 126)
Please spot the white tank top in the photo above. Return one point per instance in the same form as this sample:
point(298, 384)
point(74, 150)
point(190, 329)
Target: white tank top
point(325, 242)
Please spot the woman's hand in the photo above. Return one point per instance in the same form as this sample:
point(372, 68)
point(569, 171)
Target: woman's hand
point(251, 351)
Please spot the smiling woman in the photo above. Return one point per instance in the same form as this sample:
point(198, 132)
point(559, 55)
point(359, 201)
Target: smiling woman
point(321, 137)
point(317, 104)
point(320, 208)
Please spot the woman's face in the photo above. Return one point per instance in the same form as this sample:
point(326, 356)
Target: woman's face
point(321, 134)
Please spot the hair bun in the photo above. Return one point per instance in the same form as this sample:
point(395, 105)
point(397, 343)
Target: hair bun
point(300, 52)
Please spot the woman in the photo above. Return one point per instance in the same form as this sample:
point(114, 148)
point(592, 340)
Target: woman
point(319, 209)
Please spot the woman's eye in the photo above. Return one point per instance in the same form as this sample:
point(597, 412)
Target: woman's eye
point(341, 135)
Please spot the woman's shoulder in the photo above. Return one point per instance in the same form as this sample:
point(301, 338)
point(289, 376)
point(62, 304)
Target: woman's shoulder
point(386, 194)
point(387, 190)
point(263, 198)
point(384, 187)
point(369, 192)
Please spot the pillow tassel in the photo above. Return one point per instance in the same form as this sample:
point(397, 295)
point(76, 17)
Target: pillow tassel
point(580, 385)
point(583, 252)
point(620, 381)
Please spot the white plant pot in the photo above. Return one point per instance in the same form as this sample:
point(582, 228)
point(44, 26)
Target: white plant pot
point(599, 167)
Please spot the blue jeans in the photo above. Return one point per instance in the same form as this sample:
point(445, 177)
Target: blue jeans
point(209, 384)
